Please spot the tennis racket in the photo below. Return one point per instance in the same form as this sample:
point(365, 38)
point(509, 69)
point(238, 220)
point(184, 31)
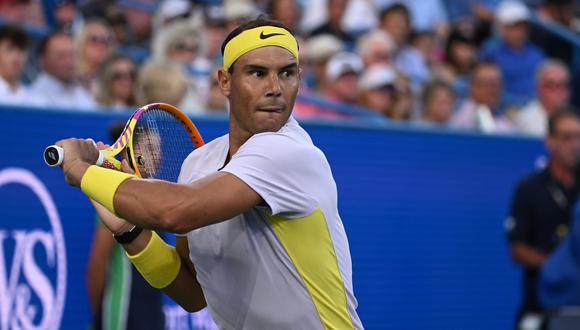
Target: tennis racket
point(157, 138)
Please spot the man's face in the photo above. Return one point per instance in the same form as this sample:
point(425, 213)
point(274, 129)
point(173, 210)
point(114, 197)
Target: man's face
point(515, 35)
point(261, 89)
point(554, 89)
point(345, 87)
point(12, 61)
point(486, 86)
point(59, 59)
point(564, 144)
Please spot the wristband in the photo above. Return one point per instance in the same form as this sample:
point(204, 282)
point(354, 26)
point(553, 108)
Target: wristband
point(101, 184)
point(158, 262)
point(128, 237)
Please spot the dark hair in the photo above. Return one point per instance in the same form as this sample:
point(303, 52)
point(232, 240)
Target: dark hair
point(43, 44)
point(558, 115)
point(396, 7)
point(262, 20)
point(15, 35)
point(432, 87)
point(115, 131)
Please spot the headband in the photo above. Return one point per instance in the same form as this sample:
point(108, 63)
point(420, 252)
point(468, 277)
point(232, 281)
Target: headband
point(261, 36)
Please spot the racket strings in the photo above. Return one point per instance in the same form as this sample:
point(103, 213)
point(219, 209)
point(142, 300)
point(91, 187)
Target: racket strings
point(160, 145)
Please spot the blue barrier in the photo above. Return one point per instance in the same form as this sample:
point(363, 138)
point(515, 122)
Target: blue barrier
point(423, 210)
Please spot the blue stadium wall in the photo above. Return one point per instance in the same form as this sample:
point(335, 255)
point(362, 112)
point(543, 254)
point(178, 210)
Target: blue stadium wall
point(423, 210)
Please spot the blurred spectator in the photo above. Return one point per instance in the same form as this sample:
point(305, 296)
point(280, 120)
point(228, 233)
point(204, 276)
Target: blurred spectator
point(516, 56)
point(111, 279)
point(286, 11)
point(459, 59)
point(333, 24)
point(23, 12)
point(427, 15)
point(541, 208)
point(318, 50)
point(437, 103)
point(414, 61)
point(116, 85)
point(94, 44)
point(216, 101)
point(13, 53)
point(342, 73)
point(57, 86)
point(403, 108)
point(376, 47)
point(376, 88)
point(161, 82)
point(558, 12)
point(481, 110)
point(63, 15)
point(119, 26)
point(238, 11)
point(395, 19)
point(553, 93)
point(171, 11)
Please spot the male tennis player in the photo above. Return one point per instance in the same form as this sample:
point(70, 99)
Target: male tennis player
point(265, 247)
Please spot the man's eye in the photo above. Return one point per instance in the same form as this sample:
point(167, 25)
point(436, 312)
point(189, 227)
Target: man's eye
point(257, 73)
point(287, 73)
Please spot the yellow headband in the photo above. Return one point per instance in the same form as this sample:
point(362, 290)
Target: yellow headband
point(261, 36)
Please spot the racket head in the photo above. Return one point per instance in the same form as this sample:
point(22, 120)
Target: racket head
point(159, 138)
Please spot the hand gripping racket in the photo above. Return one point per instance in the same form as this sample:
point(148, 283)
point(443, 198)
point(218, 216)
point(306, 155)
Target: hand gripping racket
point(158, 137)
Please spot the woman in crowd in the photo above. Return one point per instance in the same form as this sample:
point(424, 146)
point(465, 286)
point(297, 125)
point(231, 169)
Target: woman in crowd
point(95, 44)
point(116, 83)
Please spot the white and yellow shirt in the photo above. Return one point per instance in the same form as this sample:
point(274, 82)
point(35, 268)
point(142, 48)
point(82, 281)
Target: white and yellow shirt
point(284, 265)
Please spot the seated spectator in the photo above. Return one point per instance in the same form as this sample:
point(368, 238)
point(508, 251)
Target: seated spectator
point(94, 44)
point(318, 50)
point(342, 73)
point(480, 111)
point(376, 89)
point(161, 82)
point(415, 60)
point(285, 11)
point(116, 85)
point(553, 93)
point(376, 47)
point(427, 15)
point(395, 20)
point(216, 101)
point(438, 101)
point(13, 52)
point(404, 99)
point(459, 59)
point(514, 54)
point(541, 209)
point(57, 86)
point(333, 26)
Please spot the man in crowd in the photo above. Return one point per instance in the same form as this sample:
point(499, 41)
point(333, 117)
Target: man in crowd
point(342, 74)
point(13, 53)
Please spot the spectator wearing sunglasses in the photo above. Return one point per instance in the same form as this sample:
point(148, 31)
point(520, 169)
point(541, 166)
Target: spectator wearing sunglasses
point(94, 44)
point(552, 93)
point(116, 84)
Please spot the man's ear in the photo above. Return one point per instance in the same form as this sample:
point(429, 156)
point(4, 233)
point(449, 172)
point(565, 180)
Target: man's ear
point(224, 81)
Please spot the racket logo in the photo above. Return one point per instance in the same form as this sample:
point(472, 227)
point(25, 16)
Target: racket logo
point(32, 256)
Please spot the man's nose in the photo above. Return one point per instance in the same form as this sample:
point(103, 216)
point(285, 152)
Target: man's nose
point(274, 88)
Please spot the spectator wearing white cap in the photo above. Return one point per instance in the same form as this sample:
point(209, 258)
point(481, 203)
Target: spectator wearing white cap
point(376, 47)
point(317, 51)
point(517, 58)
point(376, 88)
point(342, 74)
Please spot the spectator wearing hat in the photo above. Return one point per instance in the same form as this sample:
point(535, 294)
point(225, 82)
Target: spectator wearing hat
point(552, 94)
point(517, 58)
point(376, 88)
point(437, 103)
point(13, 53)
point(342, 75)
point(317, 51)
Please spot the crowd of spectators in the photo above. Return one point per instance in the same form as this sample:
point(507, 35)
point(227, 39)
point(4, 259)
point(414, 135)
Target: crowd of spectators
point(474, 65)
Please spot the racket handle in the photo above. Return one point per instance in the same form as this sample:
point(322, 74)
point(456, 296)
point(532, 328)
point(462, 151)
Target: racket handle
point(54, 156)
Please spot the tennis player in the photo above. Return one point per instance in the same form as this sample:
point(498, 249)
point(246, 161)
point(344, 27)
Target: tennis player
point(263, 245)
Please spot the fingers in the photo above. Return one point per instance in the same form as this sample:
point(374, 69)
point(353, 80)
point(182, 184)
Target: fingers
point(102, 146)
point(126, 167)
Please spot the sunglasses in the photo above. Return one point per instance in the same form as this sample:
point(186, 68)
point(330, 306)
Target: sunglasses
point(183, 47)
point(102, 40)
point(556, 84)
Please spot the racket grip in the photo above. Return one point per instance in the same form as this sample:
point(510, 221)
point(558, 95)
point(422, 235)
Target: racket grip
point(54, 156)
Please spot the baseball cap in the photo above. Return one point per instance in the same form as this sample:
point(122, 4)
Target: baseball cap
point(321, 47)
point(342, 63)
point(376, 76)
point(512, 12)
point(236, 10)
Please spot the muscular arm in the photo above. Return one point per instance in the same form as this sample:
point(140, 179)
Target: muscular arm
point(184, 290)
point(180, 208)
point(526, 255)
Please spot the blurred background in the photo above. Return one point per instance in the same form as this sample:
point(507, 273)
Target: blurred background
point(433, 115)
